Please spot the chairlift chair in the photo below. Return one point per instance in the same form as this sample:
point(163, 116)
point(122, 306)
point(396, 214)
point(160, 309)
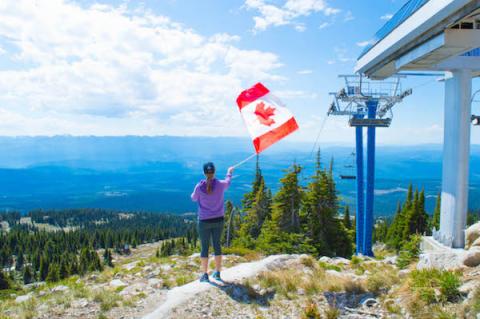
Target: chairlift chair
point(350, 166)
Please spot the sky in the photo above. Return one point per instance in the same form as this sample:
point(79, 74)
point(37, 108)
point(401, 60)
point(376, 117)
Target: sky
point(175, 67)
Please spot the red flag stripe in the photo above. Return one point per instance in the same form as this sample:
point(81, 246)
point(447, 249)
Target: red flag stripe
point(251, 94)
point(267, 139)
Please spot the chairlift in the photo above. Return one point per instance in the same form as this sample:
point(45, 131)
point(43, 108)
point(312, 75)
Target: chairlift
point(349, 168)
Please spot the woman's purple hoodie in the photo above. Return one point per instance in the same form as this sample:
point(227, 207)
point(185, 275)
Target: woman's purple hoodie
point(211, 205)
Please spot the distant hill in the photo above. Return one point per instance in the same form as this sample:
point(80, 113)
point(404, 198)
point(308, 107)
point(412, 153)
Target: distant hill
point(158, 173)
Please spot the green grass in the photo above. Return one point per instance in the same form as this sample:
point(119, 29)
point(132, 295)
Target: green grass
point(433, 285)
point(107, 299)
point(327, 266)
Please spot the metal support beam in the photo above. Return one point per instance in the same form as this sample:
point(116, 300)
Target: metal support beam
point(456, 151)
point(368, 217)
point(360, 189)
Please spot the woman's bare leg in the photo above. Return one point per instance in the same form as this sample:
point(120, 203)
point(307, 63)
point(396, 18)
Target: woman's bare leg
point(204, 264)
point(218, 263)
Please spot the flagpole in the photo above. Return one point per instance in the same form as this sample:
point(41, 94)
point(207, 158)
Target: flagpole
point(245, 160)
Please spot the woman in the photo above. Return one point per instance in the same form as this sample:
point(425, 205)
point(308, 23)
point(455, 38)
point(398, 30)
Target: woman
point(208, 194)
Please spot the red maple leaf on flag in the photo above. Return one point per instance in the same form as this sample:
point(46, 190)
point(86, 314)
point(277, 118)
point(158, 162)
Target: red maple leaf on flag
point(264, 114)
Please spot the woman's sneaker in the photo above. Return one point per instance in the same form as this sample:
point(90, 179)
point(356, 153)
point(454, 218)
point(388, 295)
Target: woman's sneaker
point(216, 275)
point(204, 278)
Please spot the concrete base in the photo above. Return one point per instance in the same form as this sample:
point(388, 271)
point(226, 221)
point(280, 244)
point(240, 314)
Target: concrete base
point(436, 255)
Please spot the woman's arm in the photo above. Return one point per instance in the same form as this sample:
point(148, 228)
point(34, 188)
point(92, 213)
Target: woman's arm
point(195, 194)
point(228, 179)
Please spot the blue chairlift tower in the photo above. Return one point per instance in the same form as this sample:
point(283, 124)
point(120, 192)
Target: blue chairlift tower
point(367, 103)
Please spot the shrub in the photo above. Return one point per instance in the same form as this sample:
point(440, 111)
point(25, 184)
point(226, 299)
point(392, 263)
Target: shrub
point(433, 285)
point(409, 252)
point(381, 280)
point(449, 283)
point(107, 299)
point(311, 311)
point(355, 260)
point(332, 313)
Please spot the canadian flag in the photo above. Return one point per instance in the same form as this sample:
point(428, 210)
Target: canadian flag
point(267, 119)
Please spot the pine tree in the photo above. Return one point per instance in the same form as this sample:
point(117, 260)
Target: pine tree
point(255, 217)
point(396, 229)
point(63, 270)
point(53, 273)
point(19, 262)
point(281, 231)
point(44, 265)
point(249, 197)
point(346, 218)
point(4, 282)
point(380, 231)
point(417, 218)
point(231, 227)
point(107, 258)
point(319, 215)
point(27, 275)
point(436, 214)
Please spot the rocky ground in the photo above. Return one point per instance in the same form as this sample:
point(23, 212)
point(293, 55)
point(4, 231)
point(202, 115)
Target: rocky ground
point(296, 286)
point(134, 287)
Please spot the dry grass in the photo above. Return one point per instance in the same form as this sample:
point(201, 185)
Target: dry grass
point(287, 281)
point(380, 280)
point(107, 299)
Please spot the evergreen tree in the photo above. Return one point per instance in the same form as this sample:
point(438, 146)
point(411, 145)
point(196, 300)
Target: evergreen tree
point(63, 270)
point(380, 231)
point(27, 275)
point(19, 262)
point(281, 231)
point(249, 197)
point(395, 231)
point(4, 282)
point(436, 214)
point(319, 215)
point(417, 218)
point(255, 217)
point(232, 224)
point(346, 217)
point(107, 258)
point(44, 265)
point(53, 273)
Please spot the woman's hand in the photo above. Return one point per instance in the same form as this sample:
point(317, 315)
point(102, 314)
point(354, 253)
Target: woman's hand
point(230, 170)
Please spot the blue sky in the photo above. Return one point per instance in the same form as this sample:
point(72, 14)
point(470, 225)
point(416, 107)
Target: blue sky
point(175, 67)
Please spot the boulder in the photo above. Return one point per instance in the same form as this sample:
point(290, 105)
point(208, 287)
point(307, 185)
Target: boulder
point(468, 287)
point(23, 298)
point(117, 283)
point(155, 283)
point(471, 234)
point(60, 288)
point(472, 257)
point(446, 260)
point(476, 243)
point(325, 259)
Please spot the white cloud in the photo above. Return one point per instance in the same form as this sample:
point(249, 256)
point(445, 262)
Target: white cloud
point(300, 27)
point(341, 55)
point(115, 70)
point(387, 16)
point(286, 14)
point(364, 43)
point(348, 16)
point(324, 25)
point(305, 72)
